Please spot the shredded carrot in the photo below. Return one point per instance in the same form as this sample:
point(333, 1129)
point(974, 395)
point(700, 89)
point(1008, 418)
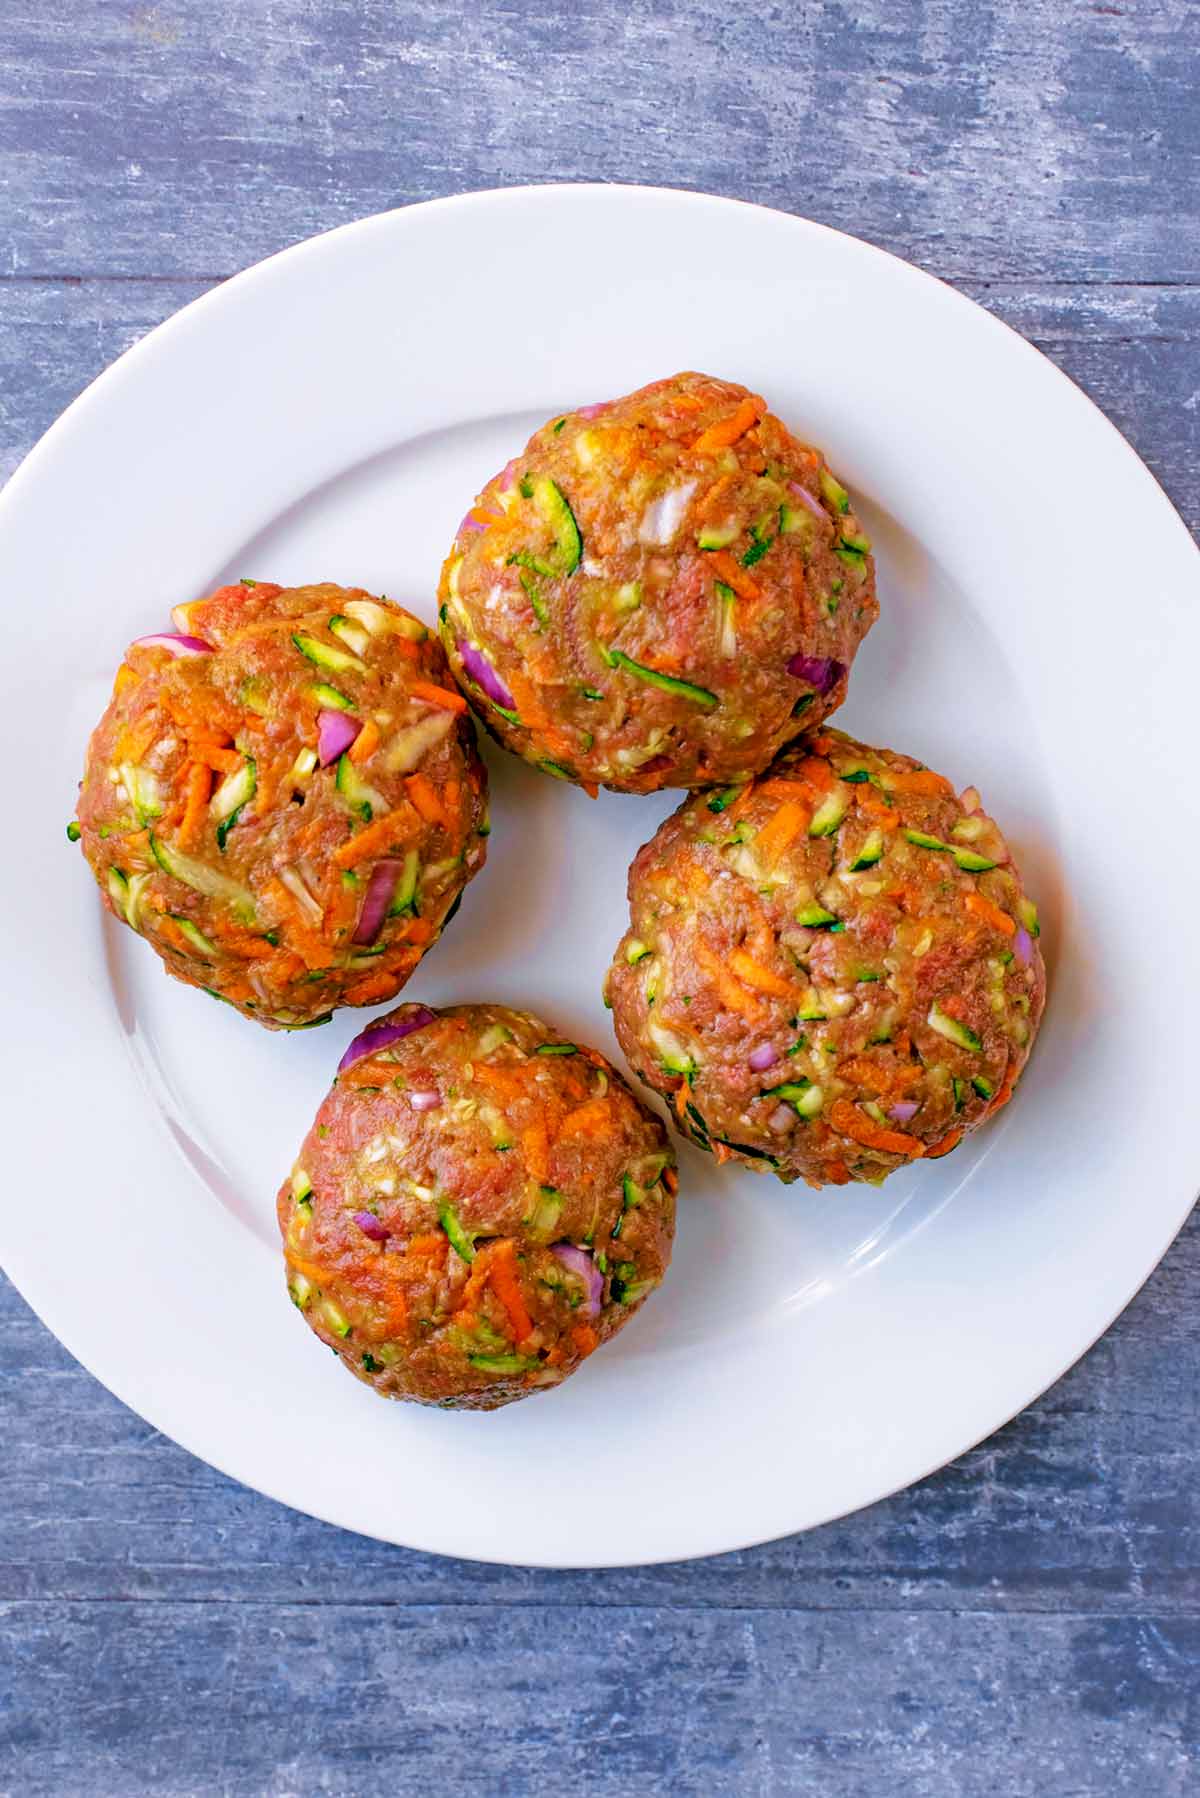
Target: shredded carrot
point(502, 1272)
point(1005, 1093)
point(727, 430)
point(816, 771)
point(199, 791)
point(311, 1270)
point(505, 1081)
point(365, 743)
point(764, 979)
point(124, 677)
point(485, 518)
point(136, 739)
point(733, 995)
point(427, 800)
point(991, 914)
point(856, 1124)
point(306, 942)
point(877, 1077)
point(590, 788)
point(779, 787)
point(592, 1119)
point(429, 1246)
point(917, 780)
point(721, 1154)
point(680, 1101)
point(837, 1173)
point(870, 802)
point(670, 1180)
point(417, 930)
point(708, 503)
point(584, 1338)
point(821, 745)
point(781, 830)
point(385, 833)
point(217, 757)
point(734, 575)
point(370, 988)
point(442, 696)
point(535, 1145)
point(944, 1145)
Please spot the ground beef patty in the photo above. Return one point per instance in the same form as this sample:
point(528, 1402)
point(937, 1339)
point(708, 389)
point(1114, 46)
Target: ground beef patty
point(285, 798)
point(659, 592)
point(478, 1205)
point(833, 969)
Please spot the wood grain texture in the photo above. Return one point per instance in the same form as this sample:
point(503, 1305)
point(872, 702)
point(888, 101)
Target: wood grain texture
point(1028, 1620)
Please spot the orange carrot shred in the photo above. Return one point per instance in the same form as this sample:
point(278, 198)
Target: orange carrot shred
point(199, 791)
point(991, 914)
point(781, 830)
point(944, 1145)
point(856, 1124)
point(365, 743)
point(502, 1273)
point(385, 833)
point(754, 974)
point(427, 800)
point(727, 430)
point(441, 696)
point(734, 575)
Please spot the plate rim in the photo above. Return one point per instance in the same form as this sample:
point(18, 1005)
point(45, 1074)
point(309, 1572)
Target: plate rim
point(162, 335)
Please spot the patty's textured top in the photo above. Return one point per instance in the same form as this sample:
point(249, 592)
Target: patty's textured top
point(833, 970)
point(284, 797)
point(661, 591)
point(478, 1205)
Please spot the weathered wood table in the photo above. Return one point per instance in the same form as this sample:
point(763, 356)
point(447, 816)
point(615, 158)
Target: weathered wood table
point(1027, 1622)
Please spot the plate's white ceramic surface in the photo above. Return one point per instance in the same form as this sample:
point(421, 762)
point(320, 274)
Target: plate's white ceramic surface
point(327, 416)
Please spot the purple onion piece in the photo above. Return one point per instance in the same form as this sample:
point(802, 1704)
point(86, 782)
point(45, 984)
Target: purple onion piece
point(386, 1031)
point(175, 644)
point(781, 1119)
point(469, 524)
point(484, 675)
point(508, 475)
point(904, 1110)
point(580, 1262)
point(378, 897)
point(821, 672)
point(426, 1100)
point(1023, 947)
point(807, 499)
point(370, 1226)
point(594, 410)
point(762, 1058)
point(335, 733)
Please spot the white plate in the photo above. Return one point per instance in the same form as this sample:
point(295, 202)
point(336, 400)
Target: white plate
point(326, 416)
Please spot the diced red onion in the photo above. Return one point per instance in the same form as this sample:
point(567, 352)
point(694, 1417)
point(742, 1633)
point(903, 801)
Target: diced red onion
point(470, 524)
point(482, 672)
point(807, 499)
point(821, 672)
point(335, 733)
point(763, 1058)
point(370, 1226)
point(594, 410)
point(376, 900)
point(425, 1101)
point(175, 644)
point(904, 1110)
point(970, 800)
point(781, 1119)
point(581, 1263)
point(386, 1031)
point(1023, 947)
point(507, 475)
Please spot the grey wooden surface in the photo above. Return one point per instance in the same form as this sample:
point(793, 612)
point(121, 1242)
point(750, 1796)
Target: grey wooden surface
point(1025, 1623)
